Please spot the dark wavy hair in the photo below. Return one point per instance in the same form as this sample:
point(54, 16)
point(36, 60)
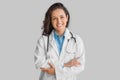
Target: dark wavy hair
point(47, 25)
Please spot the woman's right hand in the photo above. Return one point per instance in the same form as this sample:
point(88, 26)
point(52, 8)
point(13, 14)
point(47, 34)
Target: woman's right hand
point(72, 62)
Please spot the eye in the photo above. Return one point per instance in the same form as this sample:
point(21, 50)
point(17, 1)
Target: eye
point(54, 18)
point(62, 17)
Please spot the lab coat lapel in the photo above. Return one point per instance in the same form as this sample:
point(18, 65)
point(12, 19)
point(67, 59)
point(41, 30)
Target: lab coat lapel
point(67, 36)
point(53, 43)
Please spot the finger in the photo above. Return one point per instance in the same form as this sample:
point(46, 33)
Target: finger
point(51, 65)
point(77, 63)
point(45, 69)
point(74, 60)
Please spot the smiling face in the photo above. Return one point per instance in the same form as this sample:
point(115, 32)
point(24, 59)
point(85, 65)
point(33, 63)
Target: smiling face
point(59, 20)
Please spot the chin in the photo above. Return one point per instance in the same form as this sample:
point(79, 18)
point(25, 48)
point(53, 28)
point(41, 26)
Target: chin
point(59, 27)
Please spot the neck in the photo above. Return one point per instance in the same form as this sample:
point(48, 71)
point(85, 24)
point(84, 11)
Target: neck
point(60, 33)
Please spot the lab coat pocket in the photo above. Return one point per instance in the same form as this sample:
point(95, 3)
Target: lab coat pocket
point(70, 51)
point(71, 48)
point(70, 54)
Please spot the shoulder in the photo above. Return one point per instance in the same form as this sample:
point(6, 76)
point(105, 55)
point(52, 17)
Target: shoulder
point(41, 39)
point(79, 40)
point(76, 36)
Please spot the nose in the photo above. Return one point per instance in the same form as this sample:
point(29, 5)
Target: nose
point(59, 20)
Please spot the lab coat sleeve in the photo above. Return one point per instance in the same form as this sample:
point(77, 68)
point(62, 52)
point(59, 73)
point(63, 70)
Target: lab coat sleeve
point(40, 54)
point(74, 70)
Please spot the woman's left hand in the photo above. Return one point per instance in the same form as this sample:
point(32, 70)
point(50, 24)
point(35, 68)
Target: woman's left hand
point(50, 70)
point(72, 62)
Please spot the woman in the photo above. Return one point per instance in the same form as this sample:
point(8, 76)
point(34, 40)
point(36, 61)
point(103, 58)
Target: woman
point(59, 53)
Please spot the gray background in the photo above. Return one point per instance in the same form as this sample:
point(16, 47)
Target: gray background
point(96, 21)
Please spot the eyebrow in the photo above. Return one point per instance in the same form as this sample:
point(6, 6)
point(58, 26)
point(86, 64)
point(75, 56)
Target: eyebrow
point(55, 16)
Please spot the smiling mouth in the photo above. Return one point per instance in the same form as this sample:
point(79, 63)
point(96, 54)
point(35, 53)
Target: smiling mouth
point(59, 25)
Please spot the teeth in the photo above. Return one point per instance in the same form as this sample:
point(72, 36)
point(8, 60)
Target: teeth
point(59, 25)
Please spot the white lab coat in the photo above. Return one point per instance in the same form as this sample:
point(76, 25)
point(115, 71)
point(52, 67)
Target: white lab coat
point(70, 50)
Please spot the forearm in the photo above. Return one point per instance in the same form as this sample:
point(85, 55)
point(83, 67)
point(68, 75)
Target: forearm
point(73, 70)
point(71, 63)
point(68, 71)
point(63, 71)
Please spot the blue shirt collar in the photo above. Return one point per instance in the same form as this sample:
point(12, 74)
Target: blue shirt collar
point(56, 34)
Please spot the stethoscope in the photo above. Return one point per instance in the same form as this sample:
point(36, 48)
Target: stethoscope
point(72, 37)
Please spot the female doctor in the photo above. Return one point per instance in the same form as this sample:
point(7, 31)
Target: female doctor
point(60, 54)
